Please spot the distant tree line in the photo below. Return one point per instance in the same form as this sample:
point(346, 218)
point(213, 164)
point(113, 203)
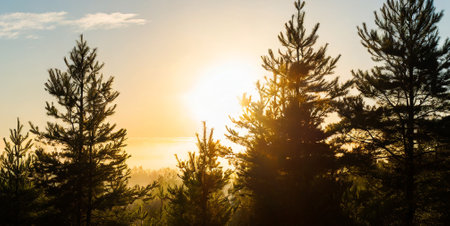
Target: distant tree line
point(386, 161)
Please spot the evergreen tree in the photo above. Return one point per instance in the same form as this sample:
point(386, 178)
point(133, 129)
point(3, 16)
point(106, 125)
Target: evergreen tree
point(200, 200)
point(86, 172)
point(396, 124)
point(19, 198)
point(288, 169)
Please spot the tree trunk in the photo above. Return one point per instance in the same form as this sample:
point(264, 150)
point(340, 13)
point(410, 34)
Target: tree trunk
point(409, 149)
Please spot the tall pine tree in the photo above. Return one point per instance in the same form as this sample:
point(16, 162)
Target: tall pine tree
point(86, 172)
point(396, 124)
point(288, 169)
point(200, 200)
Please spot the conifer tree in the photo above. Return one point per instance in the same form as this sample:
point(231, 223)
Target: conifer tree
point(86, 172)
point(396, 123)
point(19, 197)
point(200, 200)
point(288, 169)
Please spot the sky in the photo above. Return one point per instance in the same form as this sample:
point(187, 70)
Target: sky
point(175, 62)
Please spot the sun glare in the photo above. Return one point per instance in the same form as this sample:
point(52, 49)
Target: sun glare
point(216, 94)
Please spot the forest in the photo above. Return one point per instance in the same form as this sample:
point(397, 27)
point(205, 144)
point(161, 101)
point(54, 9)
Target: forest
point(385, 161)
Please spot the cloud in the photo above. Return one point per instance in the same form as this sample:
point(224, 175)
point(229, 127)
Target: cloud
point(14, 25)
point(107, 21)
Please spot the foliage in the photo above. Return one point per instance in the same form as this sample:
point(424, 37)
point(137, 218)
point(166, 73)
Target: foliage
point(387, 162)
point(393, 123)
point(19, 198)
point(288, 168)
point(200, 200)
point(87, 169)
point(163, 177)
point(154, 211)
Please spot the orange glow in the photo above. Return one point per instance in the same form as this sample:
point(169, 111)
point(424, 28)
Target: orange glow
point(215, 96)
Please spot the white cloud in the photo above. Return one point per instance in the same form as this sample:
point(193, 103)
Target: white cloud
point(31, 37)
point(14, 25)
point(106, 21)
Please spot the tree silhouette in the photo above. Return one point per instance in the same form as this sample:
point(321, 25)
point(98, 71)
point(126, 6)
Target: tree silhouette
point(200, 199)
point(86, 172)
point(288, 169)
point(395, 124)
point(19, 198)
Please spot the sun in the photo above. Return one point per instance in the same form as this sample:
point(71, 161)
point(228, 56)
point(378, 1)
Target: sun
point(215, 96)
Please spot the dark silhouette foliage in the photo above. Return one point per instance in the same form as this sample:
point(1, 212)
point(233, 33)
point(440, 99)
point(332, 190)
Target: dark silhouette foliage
point(200, 200)
point(19, 199)
point(288, 170)
point(386, 162)
point(86, 173)
point(396, 124)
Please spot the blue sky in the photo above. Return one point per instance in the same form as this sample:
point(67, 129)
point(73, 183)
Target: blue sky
point(158, 50)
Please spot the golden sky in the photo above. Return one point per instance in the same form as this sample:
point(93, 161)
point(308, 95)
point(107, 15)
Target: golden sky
point(175, 62)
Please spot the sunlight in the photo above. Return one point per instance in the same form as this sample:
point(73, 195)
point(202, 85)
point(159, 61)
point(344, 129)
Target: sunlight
point(216, 94)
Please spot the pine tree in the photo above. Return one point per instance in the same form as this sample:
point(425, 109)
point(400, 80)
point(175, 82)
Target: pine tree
point(288, 169)
point(200, 200)
point(19, 198)
point(395, 124)
point(86, 172)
